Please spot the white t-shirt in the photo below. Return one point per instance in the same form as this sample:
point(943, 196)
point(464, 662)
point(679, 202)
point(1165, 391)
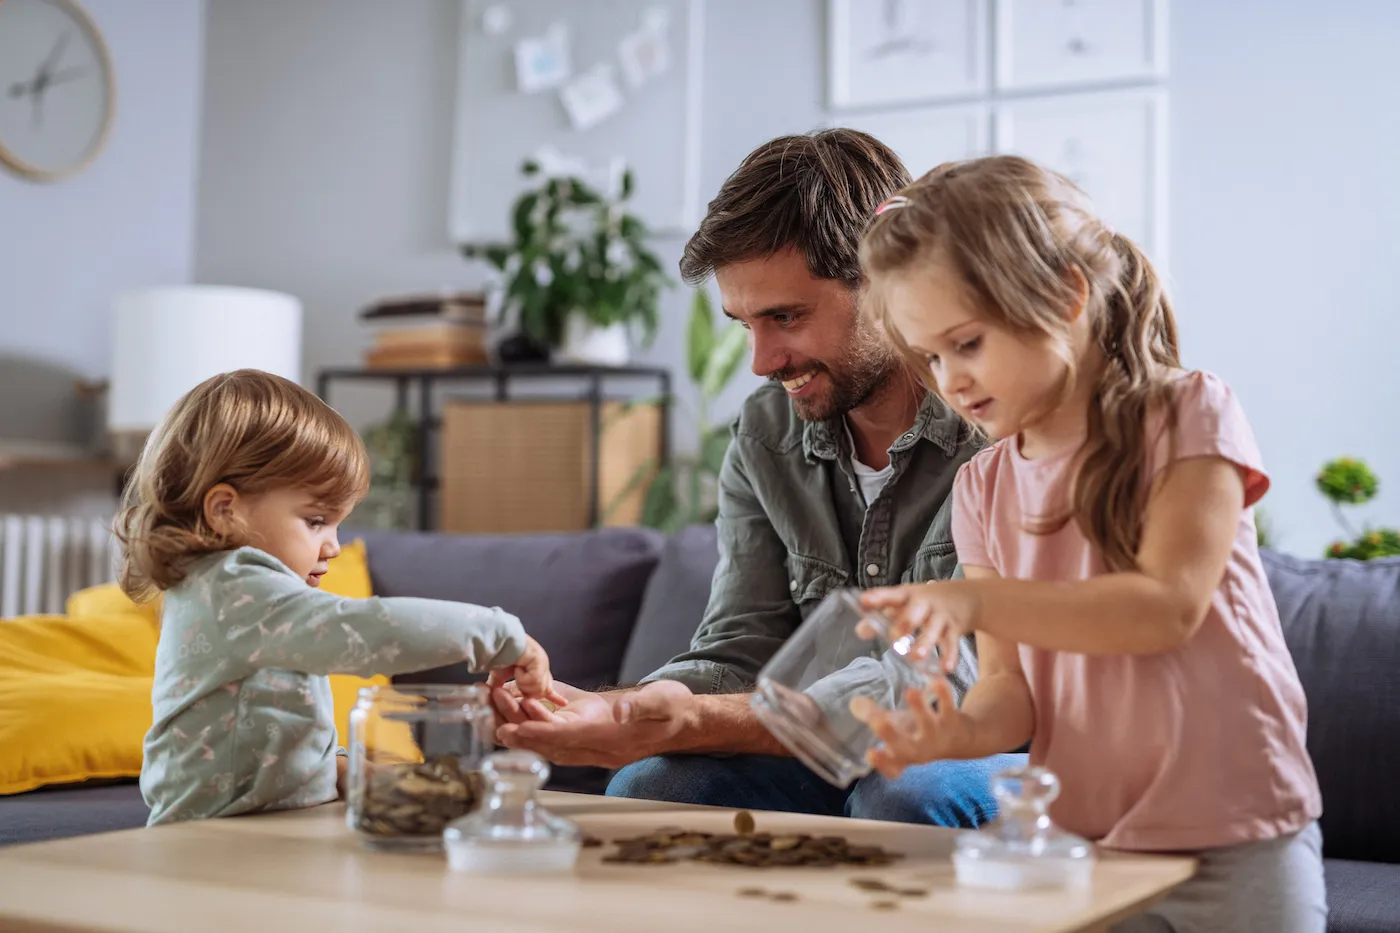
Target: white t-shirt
point(871, 480)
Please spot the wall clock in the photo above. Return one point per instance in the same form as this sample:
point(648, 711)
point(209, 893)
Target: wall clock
point(56, 89)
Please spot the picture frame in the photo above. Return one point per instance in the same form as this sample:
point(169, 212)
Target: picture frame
point(926, 137)
point(1113, 144)
point(913, 51)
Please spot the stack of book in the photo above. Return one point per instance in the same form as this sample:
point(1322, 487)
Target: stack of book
point(436, 331)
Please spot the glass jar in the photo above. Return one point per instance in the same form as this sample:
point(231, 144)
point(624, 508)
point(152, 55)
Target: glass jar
point(415, 761)
point(840, 654)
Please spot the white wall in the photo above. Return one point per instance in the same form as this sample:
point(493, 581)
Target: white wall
point(1284, 190)
point(326, 144)
point(70, 246)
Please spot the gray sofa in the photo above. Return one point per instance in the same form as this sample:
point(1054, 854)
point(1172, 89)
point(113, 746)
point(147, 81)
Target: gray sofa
point(614, 604)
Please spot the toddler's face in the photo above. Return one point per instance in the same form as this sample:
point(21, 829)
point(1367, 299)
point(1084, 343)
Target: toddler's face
point(294, 527)
point(997, 378)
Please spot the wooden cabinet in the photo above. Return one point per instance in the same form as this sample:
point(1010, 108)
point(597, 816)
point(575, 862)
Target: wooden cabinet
point(529, 466)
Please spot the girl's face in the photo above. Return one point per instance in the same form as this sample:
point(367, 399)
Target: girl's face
point(999, 379)
point(290, 524)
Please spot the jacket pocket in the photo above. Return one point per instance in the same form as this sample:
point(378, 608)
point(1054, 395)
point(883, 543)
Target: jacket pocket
point(934, 561)
point(810, 580)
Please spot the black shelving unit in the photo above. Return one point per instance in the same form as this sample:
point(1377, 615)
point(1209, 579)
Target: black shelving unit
point(501, 376)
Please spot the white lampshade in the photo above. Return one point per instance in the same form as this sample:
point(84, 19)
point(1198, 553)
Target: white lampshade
point(168, 340)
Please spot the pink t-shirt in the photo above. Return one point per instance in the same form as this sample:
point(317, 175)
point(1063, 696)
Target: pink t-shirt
point(1194, 748)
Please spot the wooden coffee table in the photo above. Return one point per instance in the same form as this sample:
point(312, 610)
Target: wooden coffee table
point(303, 870)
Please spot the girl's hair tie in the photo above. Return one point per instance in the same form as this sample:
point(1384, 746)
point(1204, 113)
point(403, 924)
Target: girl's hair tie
point(890, 204)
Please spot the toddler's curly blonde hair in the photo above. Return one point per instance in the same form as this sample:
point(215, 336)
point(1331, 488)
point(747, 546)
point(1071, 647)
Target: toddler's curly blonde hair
point(249, 429)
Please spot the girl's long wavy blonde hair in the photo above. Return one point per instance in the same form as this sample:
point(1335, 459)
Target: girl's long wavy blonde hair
point(1015, 233)
point(249, 429)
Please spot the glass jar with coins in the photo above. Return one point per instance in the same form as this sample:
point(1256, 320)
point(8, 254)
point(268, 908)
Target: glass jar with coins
point(415, 761)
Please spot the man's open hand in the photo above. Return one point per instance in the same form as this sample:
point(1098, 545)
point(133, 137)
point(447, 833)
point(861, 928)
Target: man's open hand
point(603, 729)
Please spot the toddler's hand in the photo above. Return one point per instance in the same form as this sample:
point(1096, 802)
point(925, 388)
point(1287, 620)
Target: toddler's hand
point(918, 733)
point(531, 675)
point(936, 615)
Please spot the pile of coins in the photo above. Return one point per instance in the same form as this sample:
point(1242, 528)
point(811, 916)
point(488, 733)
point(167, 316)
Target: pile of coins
point(746, 847)
point(417, 799)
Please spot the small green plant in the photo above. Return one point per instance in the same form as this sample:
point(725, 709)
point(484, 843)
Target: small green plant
point(683, 492)
point(1349, 481)
point(392, 446)
point(575, 251)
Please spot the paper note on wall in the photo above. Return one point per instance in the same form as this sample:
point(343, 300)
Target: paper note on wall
point(592, 97)
point(542, 62)
point(645, 54)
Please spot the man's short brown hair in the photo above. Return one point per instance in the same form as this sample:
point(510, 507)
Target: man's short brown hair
point(814, 192)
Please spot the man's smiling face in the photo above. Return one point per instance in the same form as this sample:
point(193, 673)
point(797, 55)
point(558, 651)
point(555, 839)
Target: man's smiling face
point(806, 333)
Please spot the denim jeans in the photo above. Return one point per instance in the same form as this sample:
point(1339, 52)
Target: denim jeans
point(945, 793)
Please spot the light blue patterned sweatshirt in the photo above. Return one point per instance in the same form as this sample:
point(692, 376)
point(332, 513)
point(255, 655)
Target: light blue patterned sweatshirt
point(243, 714)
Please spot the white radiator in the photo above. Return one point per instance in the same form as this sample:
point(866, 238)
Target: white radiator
point(44, 559)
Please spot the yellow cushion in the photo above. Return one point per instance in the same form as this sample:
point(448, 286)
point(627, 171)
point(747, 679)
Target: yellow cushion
point(75, 690)
point(75, 698)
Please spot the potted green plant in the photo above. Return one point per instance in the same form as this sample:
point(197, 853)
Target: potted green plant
point(683, 492)
point(577, 275)
point(1349, 481)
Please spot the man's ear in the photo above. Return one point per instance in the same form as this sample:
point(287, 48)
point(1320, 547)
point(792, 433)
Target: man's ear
point(219, 503)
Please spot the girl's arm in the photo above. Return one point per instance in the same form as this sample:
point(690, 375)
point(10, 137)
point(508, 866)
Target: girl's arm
point(1189, 530)
point(1188, 533)
point(997, 714)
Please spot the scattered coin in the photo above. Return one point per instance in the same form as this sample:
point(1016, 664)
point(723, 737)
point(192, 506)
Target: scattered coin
point(743, 823)
point(884, 905)
point(417, 799)
point(870, 884)
point(756, 850)
point(752, 892)
point(783, 896)
point(911, 892)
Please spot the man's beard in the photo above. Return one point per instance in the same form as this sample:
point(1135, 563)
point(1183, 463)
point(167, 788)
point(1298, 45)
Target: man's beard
point(858, 373)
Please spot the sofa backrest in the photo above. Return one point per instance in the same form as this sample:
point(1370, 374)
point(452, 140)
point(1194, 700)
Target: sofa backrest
point(578, 593)
point(1341, 619)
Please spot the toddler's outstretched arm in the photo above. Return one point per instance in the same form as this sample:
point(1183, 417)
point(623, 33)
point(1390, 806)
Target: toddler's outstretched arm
point(267, 618)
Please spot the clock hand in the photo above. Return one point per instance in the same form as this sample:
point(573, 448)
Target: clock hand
point(55, 53)
point(67, 74)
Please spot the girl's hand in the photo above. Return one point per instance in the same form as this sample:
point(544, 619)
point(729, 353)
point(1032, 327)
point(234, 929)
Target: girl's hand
point(935, 615)
point(531, 675)
point(918, 733)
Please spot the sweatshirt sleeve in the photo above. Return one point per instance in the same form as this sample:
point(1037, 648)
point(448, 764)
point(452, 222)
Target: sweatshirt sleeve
point(267, 618)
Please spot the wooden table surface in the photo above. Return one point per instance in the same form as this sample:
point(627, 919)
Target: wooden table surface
point(305, 871)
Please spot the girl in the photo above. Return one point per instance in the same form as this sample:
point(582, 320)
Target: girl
point(1123, 620)
point(232, 514)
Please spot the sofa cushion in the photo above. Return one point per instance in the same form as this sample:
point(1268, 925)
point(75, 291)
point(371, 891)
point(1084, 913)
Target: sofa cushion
point(1362, 897)
point(55, 813)
point(1341, 620)
point(674, 603)
point(577, 593)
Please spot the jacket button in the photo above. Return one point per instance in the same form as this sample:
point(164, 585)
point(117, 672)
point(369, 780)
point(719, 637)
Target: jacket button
point(909, 436)
point(872, 570)
point(792, 585)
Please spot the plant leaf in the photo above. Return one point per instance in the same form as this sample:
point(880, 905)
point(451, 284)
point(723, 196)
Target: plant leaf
point(724, 359)
point(699, 342)
point(639, 476)
point(660, 506)
point(713, 447)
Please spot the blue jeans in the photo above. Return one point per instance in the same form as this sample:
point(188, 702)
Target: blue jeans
point(945, 793)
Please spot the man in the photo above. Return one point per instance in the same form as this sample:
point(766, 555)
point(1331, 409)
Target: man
point(838, 475)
